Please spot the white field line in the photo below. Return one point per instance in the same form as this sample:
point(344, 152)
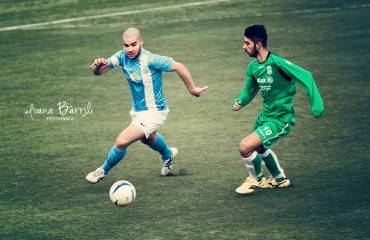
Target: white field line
point(280, 13)
point(304, 11)
point(27, 26)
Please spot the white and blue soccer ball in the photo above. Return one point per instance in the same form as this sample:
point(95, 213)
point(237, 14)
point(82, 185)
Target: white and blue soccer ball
point(122, 193)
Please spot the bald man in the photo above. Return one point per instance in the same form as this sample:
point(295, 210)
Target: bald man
point(143, 71)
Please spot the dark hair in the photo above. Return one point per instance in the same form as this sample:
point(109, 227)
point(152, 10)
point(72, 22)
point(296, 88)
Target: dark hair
point(256, 33)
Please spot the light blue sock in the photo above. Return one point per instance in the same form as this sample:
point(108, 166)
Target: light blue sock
point(115, 155)
point(160, 146)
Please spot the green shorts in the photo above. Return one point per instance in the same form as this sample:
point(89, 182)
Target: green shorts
point(271, 131)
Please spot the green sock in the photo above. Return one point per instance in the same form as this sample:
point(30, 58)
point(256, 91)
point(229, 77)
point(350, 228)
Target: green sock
point(272, 164)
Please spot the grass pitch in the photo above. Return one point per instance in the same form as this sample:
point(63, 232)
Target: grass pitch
point(44, 160)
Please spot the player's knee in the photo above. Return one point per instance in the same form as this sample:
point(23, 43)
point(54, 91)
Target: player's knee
point(245, 150)
point(122, 143)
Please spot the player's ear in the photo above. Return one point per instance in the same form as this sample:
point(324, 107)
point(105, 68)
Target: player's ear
point(258, 45)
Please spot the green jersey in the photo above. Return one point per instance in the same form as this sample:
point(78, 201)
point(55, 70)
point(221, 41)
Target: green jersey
point(276, 78)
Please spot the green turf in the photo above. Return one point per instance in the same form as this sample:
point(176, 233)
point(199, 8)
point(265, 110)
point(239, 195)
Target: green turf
point(44, 194)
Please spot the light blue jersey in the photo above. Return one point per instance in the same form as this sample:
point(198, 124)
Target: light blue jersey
point(144, 75)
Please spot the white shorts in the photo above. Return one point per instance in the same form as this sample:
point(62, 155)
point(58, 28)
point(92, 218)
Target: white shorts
point(149, 121)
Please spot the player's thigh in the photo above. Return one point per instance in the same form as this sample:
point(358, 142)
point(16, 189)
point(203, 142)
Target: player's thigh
point(270, 132)
point(149, 121)
point(128, 136)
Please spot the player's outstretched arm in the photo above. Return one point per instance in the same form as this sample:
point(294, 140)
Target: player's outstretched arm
point(185, 76)
point(100, 66)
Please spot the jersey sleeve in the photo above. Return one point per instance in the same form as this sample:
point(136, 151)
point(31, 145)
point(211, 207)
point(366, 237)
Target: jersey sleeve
point(160, 63)
point(307, 82)
point(115, 60)
point(249, 91)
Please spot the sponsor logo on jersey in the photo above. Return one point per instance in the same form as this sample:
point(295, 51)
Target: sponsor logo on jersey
point(270, 79)
point(134, 77)
point(131, 75)
point(265, 83)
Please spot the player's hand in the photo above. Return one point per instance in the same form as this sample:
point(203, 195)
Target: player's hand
point(99, 62)
point(100, 66)
point(199, 91)
point(237, 106)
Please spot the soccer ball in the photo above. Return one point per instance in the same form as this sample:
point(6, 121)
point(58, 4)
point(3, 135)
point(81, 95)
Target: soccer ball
point(122, 193)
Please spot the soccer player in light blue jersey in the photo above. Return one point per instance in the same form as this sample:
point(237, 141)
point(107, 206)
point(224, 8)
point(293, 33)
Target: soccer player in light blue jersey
point(143, 71)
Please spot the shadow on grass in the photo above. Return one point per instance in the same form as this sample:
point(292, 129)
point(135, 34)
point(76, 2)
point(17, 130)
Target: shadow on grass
point(181, 172)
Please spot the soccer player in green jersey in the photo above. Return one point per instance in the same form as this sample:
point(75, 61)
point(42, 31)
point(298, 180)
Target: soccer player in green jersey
point(276, 78)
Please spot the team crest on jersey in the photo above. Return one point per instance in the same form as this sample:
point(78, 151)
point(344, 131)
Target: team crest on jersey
point(145, 70)
point(269, 70)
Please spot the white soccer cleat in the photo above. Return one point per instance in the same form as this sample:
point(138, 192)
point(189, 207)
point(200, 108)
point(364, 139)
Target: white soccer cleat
point(250, 185)
point(95, 176)
point(167, 164)
point(272, 183)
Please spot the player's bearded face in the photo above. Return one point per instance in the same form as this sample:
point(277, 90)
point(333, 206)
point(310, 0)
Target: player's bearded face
point(132, 47)
point(250, 47)
point(254, 52)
